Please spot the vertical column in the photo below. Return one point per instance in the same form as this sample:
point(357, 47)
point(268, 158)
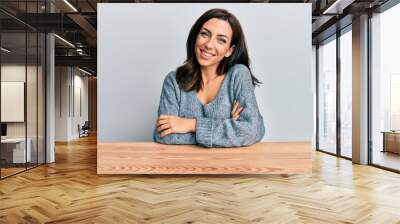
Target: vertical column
point(50, 92)
point(360, 90)
point(338, 98)
point(315, 103)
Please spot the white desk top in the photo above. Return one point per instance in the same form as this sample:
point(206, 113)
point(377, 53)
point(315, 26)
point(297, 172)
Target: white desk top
point(13, 140)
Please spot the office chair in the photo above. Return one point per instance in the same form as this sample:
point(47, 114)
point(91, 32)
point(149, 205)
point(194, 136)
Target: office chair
point(84, 130)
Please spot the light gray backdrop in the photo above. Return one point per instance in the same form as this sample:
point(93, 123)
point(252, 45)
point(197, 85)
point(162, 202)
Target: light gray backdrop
point(138, 44)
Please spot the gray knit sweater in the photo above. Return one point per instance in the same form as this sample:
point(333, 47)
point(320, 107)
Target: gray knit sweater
point(214, 124)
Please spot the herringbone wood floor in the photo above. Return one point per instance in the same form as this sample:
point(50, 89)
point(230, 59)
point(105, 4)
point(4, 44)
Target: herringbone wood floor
point(69, 191)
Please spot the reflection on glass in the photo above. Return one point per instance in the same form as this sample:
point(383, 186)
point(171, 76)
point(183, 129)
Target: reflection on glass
point(346, 93)
point(13, 85)
point(386, 89)
point(327, 96)
point(22, 90)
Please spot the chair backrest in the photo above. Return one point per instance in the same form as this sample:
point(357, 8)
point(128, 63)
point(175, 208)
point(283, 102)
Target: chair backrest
point(86, 125)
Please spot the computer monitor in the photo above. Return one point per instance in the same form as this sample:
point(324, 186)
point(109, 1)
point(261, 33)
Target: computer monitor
point(3, 129)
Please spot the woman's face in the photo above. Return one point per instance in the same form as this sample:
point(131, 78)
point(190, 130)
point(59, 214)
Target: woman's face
point(213, 42)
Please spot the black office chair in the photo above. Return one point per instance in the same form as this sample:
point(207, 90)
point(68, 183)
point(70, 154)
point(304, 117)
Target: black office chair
point(84, 130)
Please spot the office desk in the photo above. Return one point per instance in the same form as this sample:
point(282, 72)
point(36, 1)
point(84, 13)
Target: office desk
point(13, 150)
point(391, 141)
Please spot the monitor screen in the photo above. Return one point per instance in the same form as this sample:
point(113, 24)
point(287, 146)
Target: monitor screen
point(3, 129)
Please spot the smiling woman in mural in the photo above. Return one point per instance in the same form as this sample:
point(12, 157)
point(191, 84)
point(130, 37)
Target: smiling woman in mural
point(210, 99)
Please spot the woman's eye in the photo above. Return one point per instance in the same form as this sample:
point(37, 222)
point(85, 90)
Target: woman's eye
point(204, 34)
point(223, 41)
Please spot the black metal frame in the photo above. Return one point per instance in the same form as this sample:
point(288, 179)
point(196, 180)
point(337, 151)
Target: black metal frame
point(26, 89)
point(44, 75)
point(338, 98)
point(0, 90)
point(37, 91)
point(369, 82)
point(316, 97)
point(45, 90)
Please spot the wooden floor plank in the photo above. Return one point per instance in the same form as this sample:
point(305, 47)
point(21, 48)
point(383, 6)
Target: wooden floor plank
point(70, 191)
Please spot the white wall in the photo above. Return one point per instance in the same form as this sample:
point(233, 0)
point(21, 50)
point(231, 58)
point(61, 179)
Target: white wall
point(138, 44)
point(67, 80)
point(15, 73)
point(62, 81)
point(79, 117)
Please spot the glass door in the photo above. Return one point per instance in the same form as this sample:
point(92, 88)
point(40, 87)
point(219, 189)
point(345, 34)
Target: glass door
point(327, 96)
point(346, 93)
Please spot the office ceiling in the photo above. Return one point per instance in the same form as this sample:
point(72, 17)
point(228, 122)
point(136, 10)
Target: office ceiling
point(77, 22)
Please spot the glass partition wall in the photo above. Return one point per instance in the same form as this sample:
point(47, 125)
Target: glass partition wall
point(346, 95)
point(334, 75)
point(22, 88)
point(385, 89)
point(327, 95)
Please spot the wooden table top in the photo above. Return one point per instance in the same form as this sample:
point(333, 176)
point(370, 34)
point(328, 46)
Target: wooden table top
point(154, 158)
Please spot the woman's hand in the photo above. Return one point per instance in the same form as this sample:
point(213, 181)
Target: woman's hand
point(236, 110)
point(169, 124)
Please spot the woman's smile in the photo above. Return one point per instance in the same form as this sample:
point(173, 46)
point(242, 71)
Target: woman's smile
point(206, 54)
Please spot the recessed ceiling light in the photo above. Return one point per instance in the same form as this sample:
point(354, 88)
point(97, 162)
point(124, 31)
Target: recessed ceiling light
point(70, 5)
point(337, 7)
point(64, 40)
point(5, 50)
point(84, 71)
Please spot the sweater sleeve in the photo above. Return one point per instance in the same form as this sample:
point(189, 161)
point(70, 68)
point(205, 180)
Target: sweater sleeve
point(246, 130)
point(169, 106)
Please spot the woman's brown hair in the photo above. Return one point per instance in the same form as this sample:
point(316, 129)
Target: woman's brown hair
point(188, 75)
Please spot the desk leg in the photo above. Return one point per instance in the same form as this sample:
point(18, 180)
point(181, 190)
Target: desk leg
point(384, 143)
